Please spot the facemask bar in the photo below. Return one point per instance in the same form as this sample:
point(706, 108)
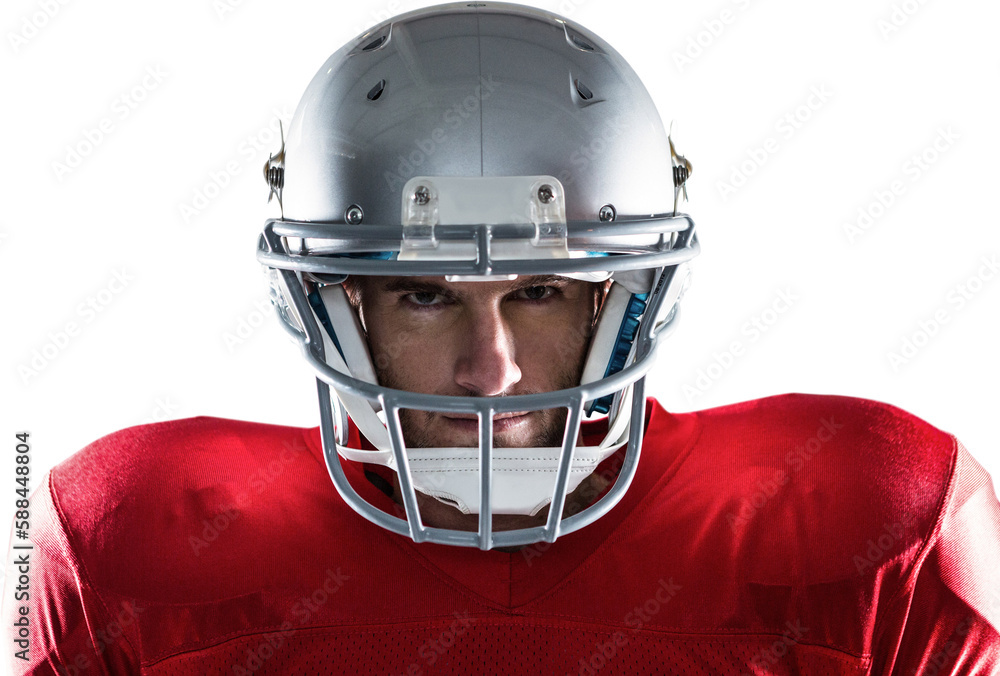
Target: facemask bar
point(309, 338)
point(646, 241)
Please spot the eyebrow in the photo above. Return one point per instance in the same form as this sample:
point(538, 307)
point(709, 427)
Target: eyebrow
point(413, 285)
point(410, 285)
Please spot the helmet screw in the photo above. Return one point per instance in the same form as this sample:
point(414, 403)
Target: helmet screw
point(545, 194)
point(607, 213)
point(422, 195)
point(353, 215)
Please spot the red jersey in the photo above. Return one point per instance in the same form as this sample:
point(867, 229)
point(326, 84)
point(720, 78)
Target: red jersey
point(796, 534)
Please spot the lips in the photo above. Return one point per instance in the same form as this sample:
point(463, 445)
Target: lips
point(509, 414)
point(501, 422)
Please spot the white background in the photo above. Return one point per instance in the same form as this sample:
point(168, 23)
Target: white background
point(158, 348)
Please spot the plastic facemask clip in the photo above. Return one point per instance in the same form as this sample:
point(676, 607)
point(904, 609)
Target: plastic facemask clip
point(547, 210)
point(421, 217)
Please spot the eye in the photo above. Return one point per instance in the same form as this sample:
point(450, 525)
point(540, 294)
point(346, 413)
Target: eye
point(424, 298)
point(536, 292)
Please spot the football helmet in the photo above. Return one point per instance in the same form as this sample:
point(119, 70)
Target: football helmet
point(478, 141)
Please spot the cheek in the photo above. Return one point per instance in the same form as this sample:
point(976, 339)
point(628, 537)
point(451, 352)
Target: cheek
point(407, 358)
point(555, 347)
point(575, 339)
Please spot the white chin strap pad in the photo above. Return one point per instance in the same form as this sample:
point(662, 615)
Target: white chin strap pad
point(523, 478)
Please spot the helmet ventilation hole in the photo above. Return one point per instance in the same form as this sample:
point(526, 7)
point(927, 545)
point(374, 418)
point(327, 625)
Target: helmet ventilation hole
point(374, 44)
point(376, 91)
point(582, 90)
point(580, 42)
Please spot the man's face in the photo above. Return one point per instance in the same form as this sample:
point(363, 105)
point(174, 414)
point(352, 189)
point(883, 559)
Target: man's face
point(523, 336)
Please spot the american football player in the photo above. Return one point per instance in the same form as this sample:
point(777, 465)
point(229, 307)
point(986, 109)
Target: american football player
point(480, 254)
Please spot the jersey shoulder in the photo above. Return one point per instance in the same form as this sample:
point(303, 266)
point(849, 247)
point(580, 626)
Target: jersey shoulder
point(165, 495)
point(797, 429)
point(166, 459)
point(827, 478)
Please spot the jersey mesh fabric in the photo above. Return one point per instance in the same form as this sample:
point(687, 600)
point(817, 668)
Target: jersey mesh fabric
point(471, 645)
point(797, 534)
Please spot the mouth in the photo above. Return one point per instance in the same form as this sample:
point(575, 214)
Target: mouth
point(501, 422)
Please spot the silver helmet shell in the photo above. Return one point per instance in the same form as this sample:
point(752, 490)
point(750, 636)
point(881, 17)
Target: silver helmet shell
point(475, 89)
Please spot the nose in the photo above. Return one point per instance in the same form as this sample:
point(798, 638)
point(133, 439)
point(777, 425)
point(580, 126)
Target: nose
point(486, 363)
